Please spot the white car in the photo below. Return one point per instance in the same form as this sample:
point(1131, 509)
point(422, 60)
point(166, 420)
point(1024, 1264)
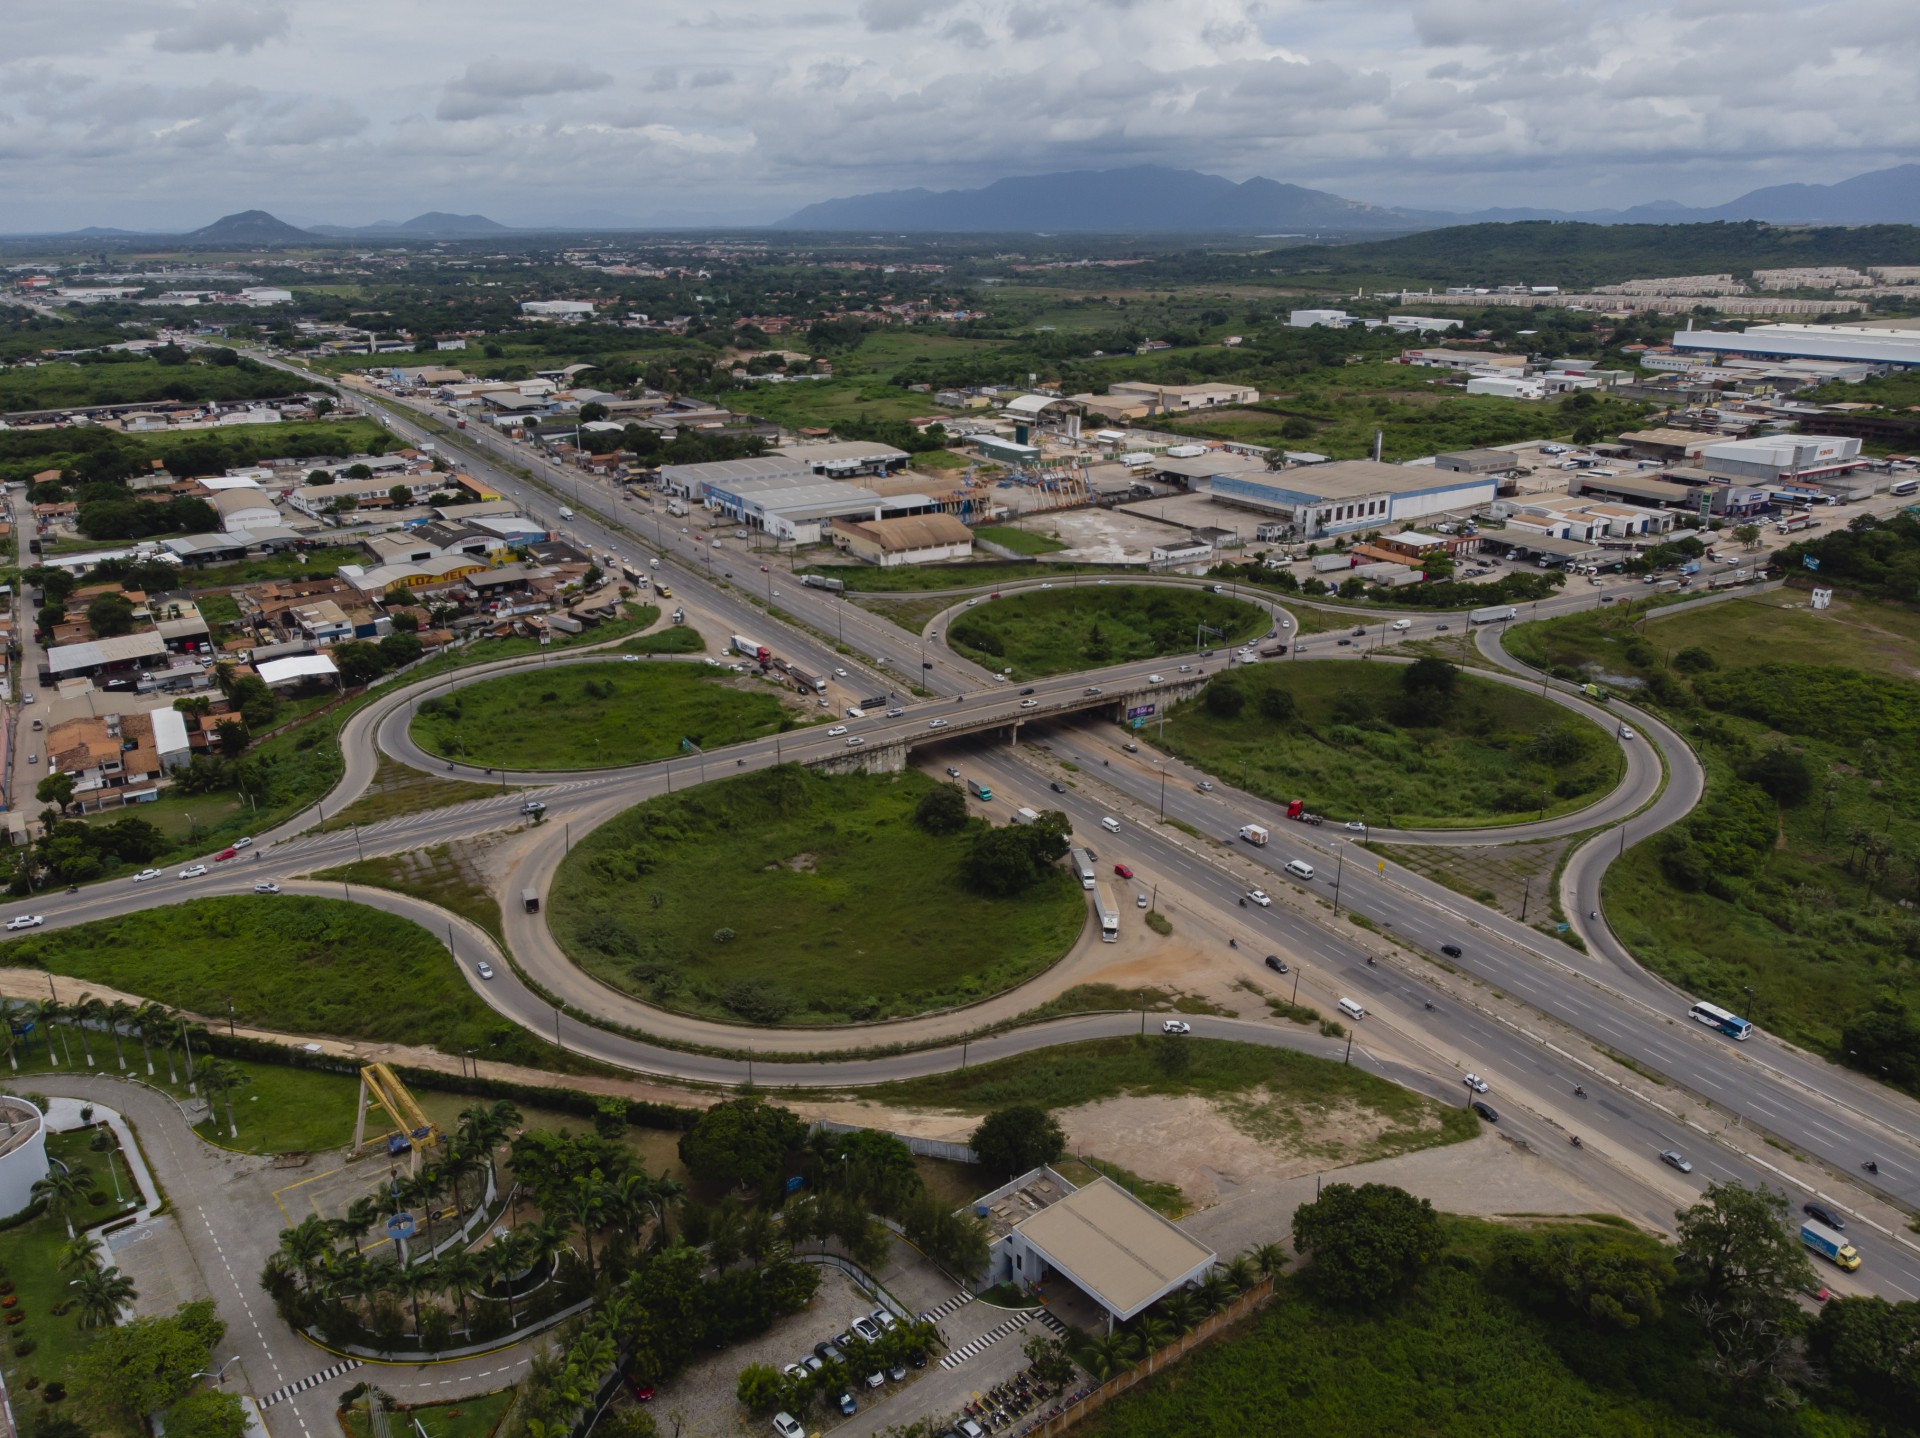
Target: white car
point(857, 739)
point(246, 843)
point(895, 713)
point(972, 602)
point(836, 731)
point(484, 969)
point(1156, 679)
point(1259, 896)
point(1625, 732)
point(1403, 624)
point(840, 673)
point(1286, 624)
point(266, 886)
point(1029, 703)
point(1355, 826)
point(1092, 690)
point(193, 871)
point(25, 921)
point(936, 723)
point(787, 1426)
point(146, 874)
point(1176, 1026)
point(1475, 1082)
point(865, 1328)
point(1046, 586)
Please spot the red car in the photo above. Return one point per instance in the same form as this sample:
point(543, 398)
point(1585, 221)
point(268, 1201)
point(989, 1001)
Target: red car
point(1123, 871)
point(225, 854)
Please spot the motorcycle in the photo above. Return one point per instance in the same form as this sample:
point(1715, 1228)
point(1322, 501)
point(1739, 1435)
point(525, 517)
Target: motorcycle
point(1871, 1166)
point(1243, 903)
point(1429, 1005)
point(1574, 1139)
point(1579, 1092)
point(1233, 943)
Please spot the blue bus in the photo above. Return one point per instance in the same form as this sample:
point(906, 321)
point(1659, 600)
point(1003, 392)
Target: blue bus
point(1715, 1017)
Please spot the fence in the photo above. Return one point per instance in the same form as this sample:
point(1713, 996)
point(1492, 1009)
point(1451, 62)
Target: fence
point(1205, 1332)
point(925, 1147)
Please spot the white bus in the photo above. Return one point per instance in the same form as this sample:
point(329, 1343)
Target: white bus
point(1715, 1017)
point(1903, 486)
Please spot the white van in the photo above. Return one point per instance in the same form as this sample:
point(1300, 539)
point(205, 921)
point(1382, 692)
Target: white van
point(1352, 1009)
point(1110, 824)
point(1300, 868)
point(565, 513)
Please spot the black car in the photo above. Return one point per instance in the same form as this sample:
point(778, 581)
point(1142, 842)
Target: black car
point(1359, 630)
point(1276, 963)
point(1027, 690)
point(1344, 642)
point(1486, 1111)
point(1452, 951)
point(1824, 1214)
point(1058, 787)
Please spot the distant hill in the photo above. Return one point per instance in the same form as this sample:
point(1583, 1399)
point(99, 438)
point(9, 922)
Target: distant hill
point(1145, 199)
point(249, 227)
point(434, 225)
point(1880, 197)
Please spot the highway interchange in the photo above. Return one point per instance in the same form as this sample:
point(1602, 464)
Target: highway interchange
point(1516, 1002)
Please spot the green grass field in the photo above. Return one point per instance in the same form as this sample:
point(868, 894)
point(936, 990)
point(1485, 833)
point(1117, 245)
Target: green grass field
point(1358, 749)
point(1269, 1093)
point(274, 566)
point(462, 1418)
point(593, 716)
point(285, 962)
point(1460, 1356)
point(791, 897)
point(1036, 633)
point(1020, 541)
point(446, 874)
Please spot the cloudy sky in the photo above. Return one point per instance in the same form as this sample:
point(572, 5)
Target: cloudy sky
point(167, 113)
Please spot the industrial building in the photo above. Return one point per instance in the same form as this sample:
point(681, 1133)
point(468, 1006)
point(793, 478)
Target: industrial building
point(1826, 342)
point(912, 539)
point(800, 461)
point(1781, 458)
point(1354, 494)
point(1478, 461)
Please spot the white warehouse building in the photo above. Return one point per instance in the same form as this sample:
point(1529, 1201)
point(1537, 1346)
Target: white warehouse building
point(1830, 342)
point(1355, 494)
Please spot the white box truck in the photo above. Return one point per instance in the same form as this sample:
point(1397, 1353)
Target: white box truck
point(1254, 833)
point(1492, 614)
point(1109, 915)
point(1026, 816)
point(1083, 866)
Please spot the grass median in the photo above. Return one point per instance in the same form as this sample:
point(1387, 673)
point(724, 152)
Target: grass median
point(790, 897)
point(1040, 632)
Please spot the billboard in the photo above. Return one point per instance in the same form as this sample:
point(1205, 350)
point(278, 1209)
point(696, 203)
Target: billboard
point(1141, 711)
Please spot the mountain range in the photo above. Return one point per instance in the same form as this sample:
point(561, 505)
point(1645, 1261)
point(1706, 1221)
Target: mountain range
point(1158, 199)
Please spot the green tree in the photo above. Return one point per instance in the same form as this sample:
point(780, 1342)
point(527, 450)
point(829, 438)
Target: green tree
point(1607, 1278)
point(1277, 704)
point(1694, 660)
point(1014, 1139)
point(109, 615)
point(1225, 698)
point(1367, 1242)
point(1430, 677)
point(150, 1363)
point(56, 789)
point(1736, 1243)
point(1870, 1349)
point(742, 1141)
point(1783, 773)
point(760, 1388)
point(941, 810)
point(62, 1188)
point(102, 1293)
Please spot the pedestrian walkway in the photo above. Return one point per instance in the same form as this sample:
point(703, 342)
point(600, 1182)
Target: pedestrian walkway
point(959, 1300)
point(63, 1116)
point(280, 1395)
point(1000, 1330)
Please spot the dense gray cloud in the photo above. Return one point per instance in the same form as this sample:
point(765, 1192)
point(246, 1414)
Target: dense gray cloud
point(167, 112)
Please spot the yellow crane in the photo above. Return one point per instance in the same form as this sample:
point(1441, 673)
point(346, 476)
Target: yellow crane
point(412, 1130)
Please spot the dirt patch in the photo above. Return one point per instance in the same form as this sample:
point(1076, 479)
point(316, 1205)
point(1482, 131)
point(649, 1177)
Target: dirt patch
point(804, 863)
point(1212, 1147)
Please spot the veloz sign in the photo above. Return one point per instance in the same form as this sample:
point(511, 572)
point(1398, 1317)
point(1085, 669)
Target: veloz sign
point(1140, 711)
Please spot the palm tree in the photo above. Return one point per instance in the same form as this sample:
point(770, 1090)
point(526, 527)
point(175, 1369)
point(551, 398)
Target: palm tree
point(220, 1078)
point(1241, 1273)
point(9, 1016)
point(460, 1270)
point(81, 1254)
point(308, 1244)
point(103, 1293)
point(1215, 1293)
point(119, 1014)
point(482, 1127)
point(51, 1012)
point(1271, 1259)
point(414, 1280)
point(148, 1024)
point(505, 1260)
point(586, 1204)
point(460, 1163)
point(1152, 1332)
point(88, 1011)
point(353, 1225)
point(61, 1189)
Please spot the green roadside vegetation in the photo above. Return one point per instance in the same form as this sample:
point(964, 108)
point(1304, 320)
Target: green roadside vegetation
point(1408, 746)
point(274, 566)
point(289, 963)
point(593, 716)
point(1020, 541)
point(1271, 1094)
point(449, 875)
point(1505, 1331)
point(397, 789)
point(1786, 895)
point(790, 897)
point(675, 639)
point(1036, 633)
point(124, 378)
point(975, 574)
point(97, 454)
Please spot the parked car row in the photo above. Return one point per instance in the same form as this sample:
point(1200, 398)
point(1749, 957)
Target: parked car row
point(850, 1353)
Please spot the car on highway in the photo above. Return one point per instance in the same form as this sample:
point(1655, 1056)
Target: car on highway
point(533, 806)
point(895, 712)
point(1047, 586)
point(1028, 690)
point(1205, 786)
point(243, 843)
point(1824, 1214)
point(1345, 643)
point(1259, 896)
point(1625, 732)
point(765, 570)
point(1475, 1082)
point(1156, 679)
point(146, 874)
point(484, 969)
point(836, 731)
point(1284, 624)
point(1123, 871)
point(1029, 703)
point(972, 602)
point(787, 1426)
point(1057, 787)
point(1673, 1160)
point(1139, 901)
point(194, 871)
point(1486, 1111)
point(1403, 624)
point(1091, 690)
point(1443, 626)
point(25, 921)
point(266, 886)
point(952, 773)
point(1131, 748)
point(1355, 826)
point(1452, 951)
point(1277, 964)
point(936, 723)
point(857, 739)
point(1359, 630)
point(226, 854)
point(840, 673)
point(1186, 669)
point(1176, 1026)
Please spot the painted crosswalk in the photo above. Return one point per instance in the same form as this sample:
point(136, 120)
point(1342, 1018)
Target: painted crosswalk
point(974, 1347)
point(280, 1395)
point(958, 1301)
